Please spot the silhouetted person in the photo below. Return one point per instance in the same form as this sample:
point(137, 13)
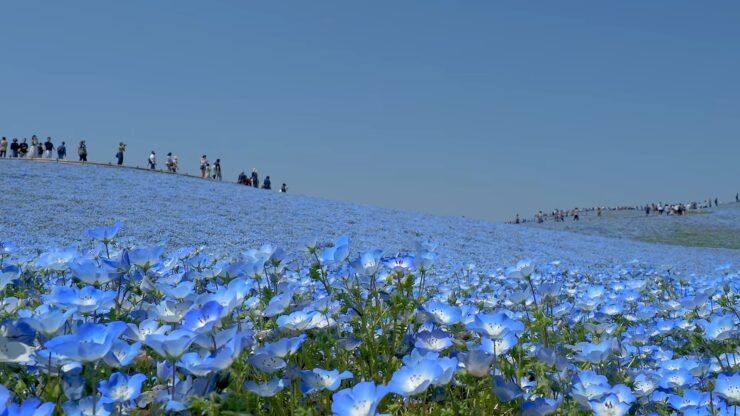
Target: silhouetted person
point(15, 148)
point(737, 197)
point(217, 170)
point(716, 202)
point(517, 220)
point(284, 188)
point(48, 147)
point(267, 184)
point(82, 151)
point(61, 151)
point(255, 179)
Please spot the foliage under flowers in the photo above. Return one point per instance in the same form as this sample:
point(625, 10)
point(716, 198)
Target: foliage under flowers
point(120, 329)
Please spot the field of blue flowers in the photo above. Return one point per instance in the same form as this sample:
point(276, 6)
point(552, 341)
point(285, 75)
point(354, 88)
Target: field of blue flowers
point(122, 324)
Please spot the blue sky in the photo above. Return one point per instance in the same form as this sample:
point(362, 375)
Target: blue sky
point(482, 109)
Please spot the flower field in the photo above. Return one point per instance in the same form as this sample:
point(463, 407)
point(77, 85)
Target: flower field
point(122, 328)
point(208, 298)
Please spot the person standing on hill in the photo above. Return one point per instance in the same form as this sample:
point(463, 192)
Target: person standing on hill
point(255, 178)
point(48, 147)
point(576, 217)
point(267, 184)
point(119, 153)
point(203, 164)
point(152, 160)
point(82, 151)
point(61, 151)
point(23, 148)
point(40, 150)
point(284, 188)
point(716, 202)
point(217, 170)
point(14, 148)
point(737, 197)
point(34, 145)
point(170, 162)
point(4, 147)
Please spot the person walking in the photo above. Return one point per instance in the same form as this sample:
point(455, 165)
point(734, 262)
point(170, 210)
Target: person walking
point(208, 170)
point(152, 160)
point(24, 149)
point(217, 170)
point(203, 164)
point(14, 147)
point(284, 188)
point(61, 151)
point(255, 178)
point(4, 147)
point(82, 151)
point(267, 184)
point(40, 150)
point(119, 153)
point(48, 147)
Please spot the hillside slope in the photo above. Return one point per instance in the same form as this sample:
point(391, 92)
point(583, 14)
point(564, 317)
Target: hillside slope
point(50, 203)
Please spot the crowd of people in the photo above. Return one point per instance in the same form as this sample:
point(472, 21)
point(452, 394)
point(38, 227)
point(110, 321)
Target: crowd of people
point(44, 150)
point(659, 208)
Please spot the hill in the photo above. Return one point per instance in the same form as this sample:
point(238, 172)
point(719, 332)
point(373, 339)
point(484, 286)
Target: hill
point(51, 203)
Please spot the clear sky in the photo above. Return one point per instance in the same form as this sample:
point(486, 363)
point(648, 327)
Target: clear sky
point(482, 109)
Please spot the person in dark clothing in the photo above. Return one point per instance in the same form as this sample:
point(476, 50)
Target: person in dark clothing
point(14, 148)
point(217, 170)
point(23, 148)
point(716, 202)
point(40, 150)
point(284, 188)
point(242, 179)
point(61, 151)
point(255, 179)
point(267, 184)
point(737, 197)
point(647, 210)
point(119, 154)
point(82, 151)
point(4, 147)
point(49, 147)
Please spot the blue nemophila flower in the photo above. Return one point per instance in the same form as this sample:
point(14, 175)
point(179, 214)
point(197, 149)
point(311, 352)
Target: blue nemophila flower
point(48, 320)
point(720, 328)
point(85, 300)
point(278, 304)
point(588, 385)
point(505, 390)
point(319, 379)
point(266, 363)
point(8, 274)
point(595, 353)
point(541, 406)
point(88, 272)
point(728, 387)
point(282, 347)
point(56, 260)
point(90, 342)
point(523, 269)
point(476, 362)
point(122, 388)
point(499, 346)
point(690, 398)
point(104, 233)
point(179, 291)
point(172, 345)
point(204, 319)
point(30, 407)
point(84, 407)
point(609, 405)
point(361, 400)
point(204, 364)
point(299, 320)
point(122, 354)
point(266, 389)
point(410, 381)
point(496, 325)
point(367, 263)
point(147, 327)
point(435, 340)
point(145, 257)
point(442, 313)
point(399, 263)
point(170, 311)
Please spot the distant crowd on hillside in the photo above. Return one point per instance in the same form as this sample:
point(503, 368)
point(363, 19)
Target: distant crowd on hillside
point(657, 209)
point(45, 150)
